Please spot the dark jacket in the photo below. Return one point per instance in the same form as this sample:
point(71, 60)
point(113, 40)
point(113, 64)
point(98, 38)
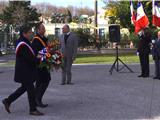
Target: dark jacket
point(156, 50)
point(26, 63)
point(43, 73)
point(144, 44)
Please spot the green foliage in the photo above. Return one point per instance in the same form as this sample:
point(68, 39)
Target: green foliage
point(69, 16)
point(75, 19)
point(119, 12)
point(58, 18)
point(85, 39)
point(62, 18)
point(134, 38)
point(51, 37)
point(13, 16)
point(19, 12)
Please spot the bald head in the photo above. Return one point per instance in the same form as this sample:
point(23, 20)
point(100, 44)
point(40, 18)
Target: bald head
point(66, 29)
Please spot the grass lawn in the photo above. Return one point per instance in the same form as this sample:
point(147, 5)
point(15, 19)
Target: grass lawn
point(97, 59)
point(10, 63)
point(93, 59)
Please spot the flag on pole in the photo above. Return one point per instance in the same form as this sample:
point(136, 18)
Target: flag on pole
point(133, 14)
point(155, 13)
point(141, 20)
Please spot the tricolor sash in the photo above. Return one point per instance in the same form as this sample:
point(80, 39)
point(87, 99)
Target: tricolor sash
point(23, 43)
point(40, 40)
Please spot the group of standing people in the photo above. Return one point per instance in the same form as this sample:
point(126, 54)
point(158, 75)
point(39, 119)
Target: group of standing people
point(145, 47)
point(35, 80)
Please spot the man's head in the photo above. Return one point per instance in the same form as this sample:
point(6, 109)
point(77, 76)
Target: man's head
point(158, 34)
point(41, 29)
point(26, 31)
point(66, 29)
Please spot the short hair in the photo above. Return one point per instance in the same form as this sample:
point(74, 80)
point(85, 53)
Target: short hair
point(67, 26)
point(25, 28)
point(38, 25)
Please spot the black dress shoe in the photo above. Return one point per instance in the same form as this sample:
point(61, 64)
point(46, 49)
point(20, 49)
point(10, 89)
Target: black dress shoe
point(36, 113)
point(63, 83)
point(41, 105)
point(70, 83)
point(156, 78)
point(145, 76)
point(140, 76)
point(6, 105)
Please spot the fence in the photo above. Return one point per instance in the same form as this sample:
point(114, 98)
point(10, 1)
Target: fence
point(7, 42)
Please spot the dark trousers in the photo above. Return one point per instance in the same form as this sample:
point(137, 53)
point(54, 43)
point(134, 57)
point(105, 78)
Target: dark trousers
point(41, 87)
point(144, 62)
point(29, 87)
point(157, 67)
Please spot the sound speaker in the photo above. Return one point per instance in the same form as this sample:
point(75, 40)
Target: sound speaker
point(114, 33)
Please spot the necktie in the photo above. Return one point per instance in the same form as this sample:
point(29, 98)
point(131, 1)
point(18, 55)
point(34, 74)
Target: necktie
point(65, 38)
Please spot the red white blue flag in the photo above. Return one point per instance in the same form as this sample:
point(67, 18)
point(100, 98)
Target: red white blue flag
point(155, 13)
point(141, 20)
point(133, 14)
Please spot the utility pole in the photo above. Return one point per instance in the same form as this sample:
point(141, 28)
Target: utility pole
point(96, 24)
point(95, 14)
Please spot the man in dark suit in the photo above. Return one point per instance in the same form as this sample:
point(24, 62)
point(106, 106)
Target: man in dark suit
point(144, 50)
point(40, 42)
point(25, 71)
point(156, 56)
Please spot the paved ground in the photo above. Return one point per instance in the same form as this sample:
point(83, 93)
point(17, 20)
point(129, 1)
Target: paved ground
point(5, 58)
point(96, 95)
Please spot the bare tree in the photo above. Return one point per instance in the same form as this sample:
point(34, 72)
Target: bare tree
point(3, 4)
point(48, 10)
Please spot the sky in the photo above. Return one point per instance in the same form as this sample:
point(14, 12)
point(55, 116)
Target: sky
point(77, 3)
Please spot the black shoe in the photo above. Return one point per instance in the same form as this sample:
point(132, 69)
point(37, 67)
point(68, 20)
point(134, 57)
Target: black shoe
point(140, 76)
point(41, 105)
point(145, 76)
point(70, 83)
point(156, 78)
point(63, 83)
point(36, 113)
point(6, 105)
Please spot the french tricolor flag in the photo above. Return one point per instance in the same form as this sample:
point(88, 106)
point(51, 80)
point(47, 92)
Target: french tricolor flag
point(133, 14)
point(155, 13)
point(141, 20)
